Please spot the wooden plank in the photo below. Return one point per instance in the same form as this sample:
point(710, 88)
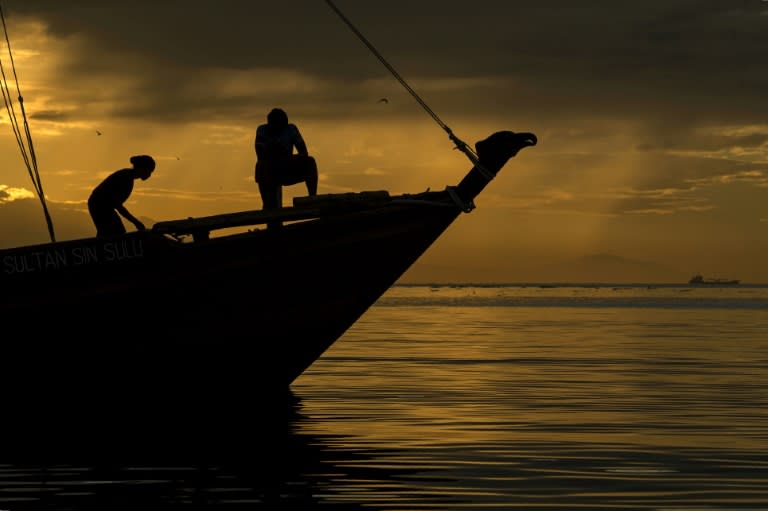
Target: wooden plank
point(304, 208)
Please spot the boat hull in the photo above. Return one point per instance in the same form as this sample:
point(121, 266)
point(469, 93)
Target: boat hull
point(252, 310)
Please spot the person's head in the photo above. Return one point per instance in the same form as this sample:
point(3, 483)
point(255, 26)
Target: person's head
point(144, 165)
point(277, 118)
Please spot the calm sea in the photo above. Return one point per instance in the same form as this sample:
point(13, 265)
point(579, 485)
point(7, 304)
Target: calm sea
point(469, 397)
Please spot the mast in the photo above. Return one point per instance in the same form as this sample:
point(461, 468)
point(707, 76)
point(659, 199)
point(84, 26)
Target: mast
point(24, 141)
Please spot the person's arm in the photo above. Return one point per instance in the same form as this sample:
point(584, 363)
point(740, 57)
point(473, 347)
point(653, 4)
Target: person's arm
point(260, 145)
point(298, 142)
point(261, 150)
point(128, 216)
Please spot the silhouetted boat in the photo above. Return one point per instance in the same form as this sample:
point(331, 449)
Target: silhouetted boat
point(699, 279)
point(206, 307)
point(178, 304)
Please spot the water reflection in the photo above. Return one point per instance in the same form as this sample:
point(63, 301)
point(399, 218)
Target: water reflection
point(163, 458)
point(445, 403)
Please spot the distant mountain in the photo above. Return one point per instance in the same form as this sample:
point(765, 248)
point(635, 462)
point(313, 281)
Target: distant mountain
point(22, 222)
point(603, 267)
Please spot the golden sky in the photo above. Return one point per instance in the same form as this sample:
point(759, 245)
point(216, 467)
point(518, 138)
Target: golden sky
point(652, 161)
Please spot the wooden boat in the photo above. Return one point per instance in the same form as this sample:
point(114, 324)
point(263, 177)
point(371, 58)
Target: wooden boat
point(189, 307)
point(217, 305)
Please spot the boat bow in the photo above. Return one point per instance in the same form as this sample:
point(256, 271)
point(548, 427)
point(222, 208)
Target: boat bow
point(492, 154)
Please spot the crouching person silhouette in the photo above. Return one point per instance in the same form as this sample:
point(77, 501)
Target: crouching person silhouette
point(107, 199)
point(276, 163)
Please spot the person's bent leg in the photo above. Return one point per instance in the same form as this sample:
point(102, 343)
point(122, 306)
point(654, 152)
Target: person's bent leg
point(272, 198)
point(311, 177)
point(269, 195)
point(106, 221)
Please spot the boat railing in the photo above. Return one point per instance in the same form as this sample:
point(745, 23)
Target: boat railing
point(304, 208)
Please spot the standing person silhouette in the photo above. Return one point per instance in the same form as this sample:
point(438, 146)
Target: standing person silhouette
point(276, 163)
point(107, 199)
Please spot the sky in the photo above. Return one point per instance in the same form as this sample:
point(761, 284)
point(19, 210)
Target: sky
point(652, 121)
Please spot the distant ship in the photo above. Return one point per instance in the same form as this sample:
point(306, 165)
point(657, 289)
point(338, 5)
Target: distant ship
point(698, 279)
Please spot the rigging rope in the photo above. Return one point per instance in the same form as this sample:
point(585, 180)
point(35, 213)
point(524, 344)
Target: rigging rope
point(460, 144)
point(25, 143)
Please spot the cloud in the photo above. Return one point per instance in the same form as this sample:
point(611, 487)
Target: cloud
point(10, 194)
point(551, 59)
point(647, 111)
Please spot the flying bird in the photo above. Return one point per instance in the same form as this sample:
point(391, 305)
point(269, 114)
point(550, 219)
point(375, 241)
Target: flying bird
point(98, 133)
point(383, 100)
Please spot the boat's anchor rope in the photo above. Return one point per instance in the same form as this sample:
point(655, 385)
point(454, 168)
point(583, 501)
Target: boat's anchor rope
point(466, 207)
point(460, 144)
